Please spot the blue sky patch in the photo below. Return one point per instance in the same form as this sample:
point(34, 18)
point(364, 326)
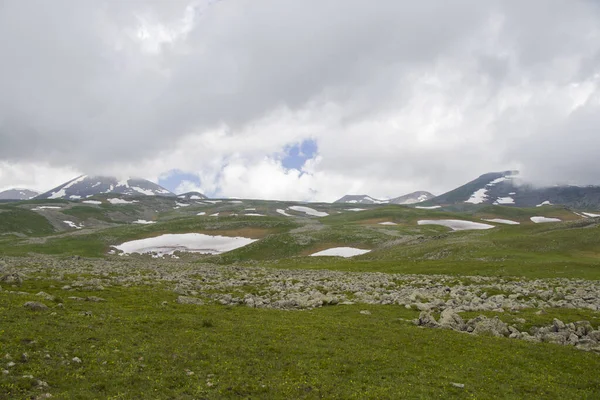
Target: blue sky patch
point(297, 154)
point(174, 179)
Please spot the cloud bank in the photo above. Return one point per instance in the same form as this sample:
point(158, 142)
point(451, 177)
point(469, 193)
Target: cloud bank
point(397, 96)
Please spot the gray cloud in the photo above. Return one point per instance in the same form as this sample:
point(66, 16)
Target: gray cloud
point(466, 84)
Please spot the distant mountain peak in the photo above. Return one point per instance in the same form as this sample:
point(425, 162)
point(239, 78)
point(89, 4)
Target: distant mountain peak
point(508, 188)
point(18, 194)
point(86, 186)
point(411, 198)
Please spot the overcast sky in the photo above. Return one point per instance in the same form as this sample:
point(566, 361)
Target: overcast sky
point(304, 100)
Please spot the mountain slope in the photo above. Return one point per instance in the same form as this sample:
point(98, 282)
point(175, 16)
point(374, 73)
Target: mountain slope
point(507, 188)
point(87, 186)
point(18, 194)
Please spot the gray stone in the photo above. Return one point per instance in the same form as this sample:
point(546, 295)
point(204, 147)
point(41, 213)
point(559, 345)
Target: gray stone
point(490, 326)
point(94, 299)
point(594, 335)
point(46, 296)
point(427, 320)
point(558, 325)
point(189, 300)
point(35, 306)
point(450, 319)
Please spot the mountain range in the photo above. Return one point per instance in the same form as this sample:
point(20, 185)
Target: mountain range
point(498, 188)
point(411, 198)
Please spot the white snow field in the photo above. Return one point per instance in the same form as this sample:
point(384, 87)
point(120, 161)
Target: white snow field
point(95, 202)
point(505, 200)
point(341, 252)
point(121, 201)
point(502, 221)
point(591, 215)
point(388, 223)
point(201, 213)
point(309, 211)
point(456, 224)
point(254, 215)
point(545, 203)
point(186, 242)
point(178, 204)
point(356, 209)
point(478, 197)
point(144, 222)
point(46, 208)
point(428, 208)
point(73, 224)
point(282, 212)
point(541, 220)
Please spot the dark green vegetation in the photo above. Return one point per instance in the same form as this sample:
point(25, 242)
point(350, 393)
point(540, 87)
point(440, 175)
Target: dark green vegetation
point(132, 346)
point(18, 220)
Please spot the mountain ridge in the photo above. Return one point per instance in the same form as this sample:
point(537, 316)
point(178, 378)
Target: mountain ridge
point(85, 186)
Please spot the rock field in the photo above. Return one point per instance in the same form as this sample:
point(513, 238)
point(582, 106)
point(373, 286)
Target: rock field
point(306, 289)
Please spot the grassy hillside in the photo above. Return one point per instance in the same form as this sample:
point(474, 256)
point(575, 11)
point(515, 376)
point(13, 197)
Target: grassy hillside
point(17, 220)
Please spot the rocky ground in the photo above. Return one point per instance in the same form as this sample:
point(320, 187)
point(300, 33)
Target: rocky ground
point(305, 289)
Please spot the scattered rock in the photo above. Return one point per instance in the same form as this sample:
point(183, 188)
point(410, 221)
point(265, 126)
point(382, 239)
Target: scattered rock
point(14, 279)
point(35, 306)
point(189, 300)
point(95, 299)
point(76, 360)
point(365, 312)
point(458, 385)
point(45, 296)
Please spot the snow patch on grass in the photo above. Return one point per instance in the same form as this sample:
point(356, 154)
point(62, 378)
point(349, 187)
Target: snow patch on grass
point(121, 201)
point(502, 221)
point(541, 220)
point(340, 252)
point(309, 211)
point(186, 242)
point(144, 222)
point(456, 224)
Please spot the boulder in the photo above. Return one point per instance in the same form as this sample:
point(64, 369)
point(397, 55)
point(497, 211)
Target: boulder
point(426, 319)
point(450, 319)
point(489, 326)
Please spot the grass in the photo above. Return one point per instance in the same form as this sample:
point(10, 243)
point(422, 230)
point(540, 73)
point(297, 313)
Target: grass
point(18, 220)
point(133, 347)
